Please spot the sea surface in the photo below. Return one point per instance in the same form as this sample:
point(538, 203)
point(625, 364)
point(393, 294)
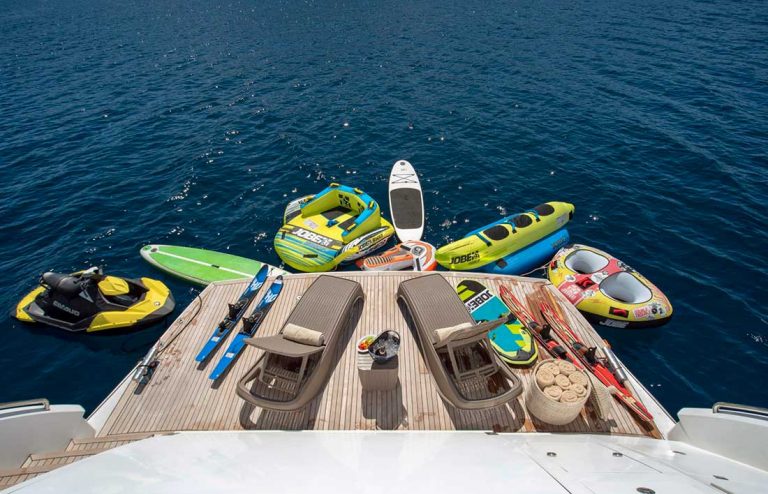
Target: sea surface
point(194, 122)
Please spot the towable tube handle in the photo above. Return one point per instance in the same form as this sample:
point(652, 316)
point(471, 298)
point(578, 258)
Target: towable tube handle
point(481, 237)
point(511, 222)
point(534, 213)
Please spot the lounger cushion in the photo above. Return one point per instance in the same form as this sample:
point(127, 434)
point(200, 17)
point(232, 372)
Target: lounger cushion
point(279, 345)
point(303, 335)
point(442, 335)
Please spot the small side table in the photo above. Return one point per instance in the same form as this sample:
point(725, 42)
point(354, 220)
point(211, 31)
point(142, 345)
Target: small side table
point(375, 376)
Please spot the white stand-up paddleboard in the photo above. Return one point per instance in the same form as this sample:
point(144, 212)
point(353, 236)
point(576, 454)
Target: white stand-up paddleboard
point(406, 202)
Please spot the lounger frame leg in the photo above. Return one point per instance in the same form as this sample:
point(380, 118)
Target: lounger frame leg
point(302, 370)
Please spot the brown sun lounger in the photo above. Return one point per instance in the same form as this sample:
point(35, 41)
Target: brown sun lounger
point(458, 353)
point(298, 361)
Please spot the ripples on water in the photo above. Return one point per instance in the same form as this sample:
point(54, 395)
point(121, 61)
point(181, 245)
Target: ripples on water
point(123, 123)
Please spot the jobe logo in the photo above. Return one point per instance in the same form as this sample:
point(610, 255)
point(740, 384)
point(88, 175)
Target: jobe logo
point(614, 324)
point(372, 241)
point(368, 242)
point(313, 237)
point(478, 300)
point(466, 258)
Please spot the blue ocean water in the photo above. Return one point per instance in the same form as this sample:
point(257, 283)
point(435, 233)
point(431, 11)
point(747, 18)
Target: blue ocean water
point(124, 123)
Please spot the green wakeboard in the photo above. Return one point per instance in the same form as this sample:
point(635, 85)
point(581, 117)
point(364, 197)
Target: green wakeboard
point(202, 266)
point(511, 341)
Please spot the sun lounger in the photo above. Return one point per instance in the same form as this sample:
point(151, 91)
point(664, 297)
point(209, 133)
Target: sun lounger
point(456, 348)
point(298, 361)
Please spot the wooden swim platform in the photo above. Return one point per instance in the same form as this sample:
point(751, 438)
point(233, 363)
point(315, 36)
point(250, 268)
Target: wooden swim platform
point(180, 397)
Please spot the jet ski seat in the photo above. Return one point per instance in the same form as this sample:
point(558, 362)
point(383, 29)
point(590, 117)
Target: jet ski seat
point(64, 283)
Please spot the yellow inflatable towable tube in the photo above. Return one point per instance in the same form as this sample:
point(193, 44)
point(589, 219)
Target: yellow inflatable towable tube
point(336, 225)
point(606, 290)
point(508, 235)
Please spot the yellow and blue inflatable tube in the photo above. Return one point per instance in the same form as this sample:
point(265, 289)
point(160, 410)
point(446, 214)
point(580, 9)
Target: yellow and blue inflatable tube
point(338, 224)
point(504, 237)
point(529, 258)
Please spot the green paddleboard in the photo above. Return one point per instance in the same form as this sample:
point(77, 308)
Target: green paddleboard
point(202, 266)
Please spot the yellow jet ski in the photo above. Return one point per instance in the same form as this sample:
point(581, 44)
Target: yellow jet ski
point(92, 301)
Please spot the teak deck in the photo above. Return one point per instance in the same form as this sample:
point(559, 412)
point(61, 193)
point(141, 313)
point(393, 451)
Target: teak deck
point(180, 396)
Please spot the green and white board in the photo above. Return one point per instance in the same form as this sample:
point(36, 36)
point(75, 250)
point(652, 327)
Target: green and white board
point(202, 266)
point(511, 341)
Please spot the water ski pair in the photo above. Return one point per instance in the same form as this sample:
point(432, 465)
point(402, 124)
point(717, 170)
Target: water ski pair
point(236, 313)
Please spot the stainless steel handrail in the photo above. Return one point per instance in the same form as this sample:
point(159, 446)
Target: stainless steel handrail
point(27, 403)
point(725, 407)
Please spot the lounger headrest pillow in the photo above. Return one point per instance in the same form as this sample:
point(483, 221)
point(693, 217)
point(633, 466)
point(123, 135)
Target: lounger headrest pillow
point(303, 335)
point(443, 335)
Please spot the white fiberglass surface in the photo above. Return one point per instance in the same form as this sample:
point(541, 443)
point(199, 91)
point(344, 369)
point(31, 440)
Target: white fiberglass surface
point(375, 462)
